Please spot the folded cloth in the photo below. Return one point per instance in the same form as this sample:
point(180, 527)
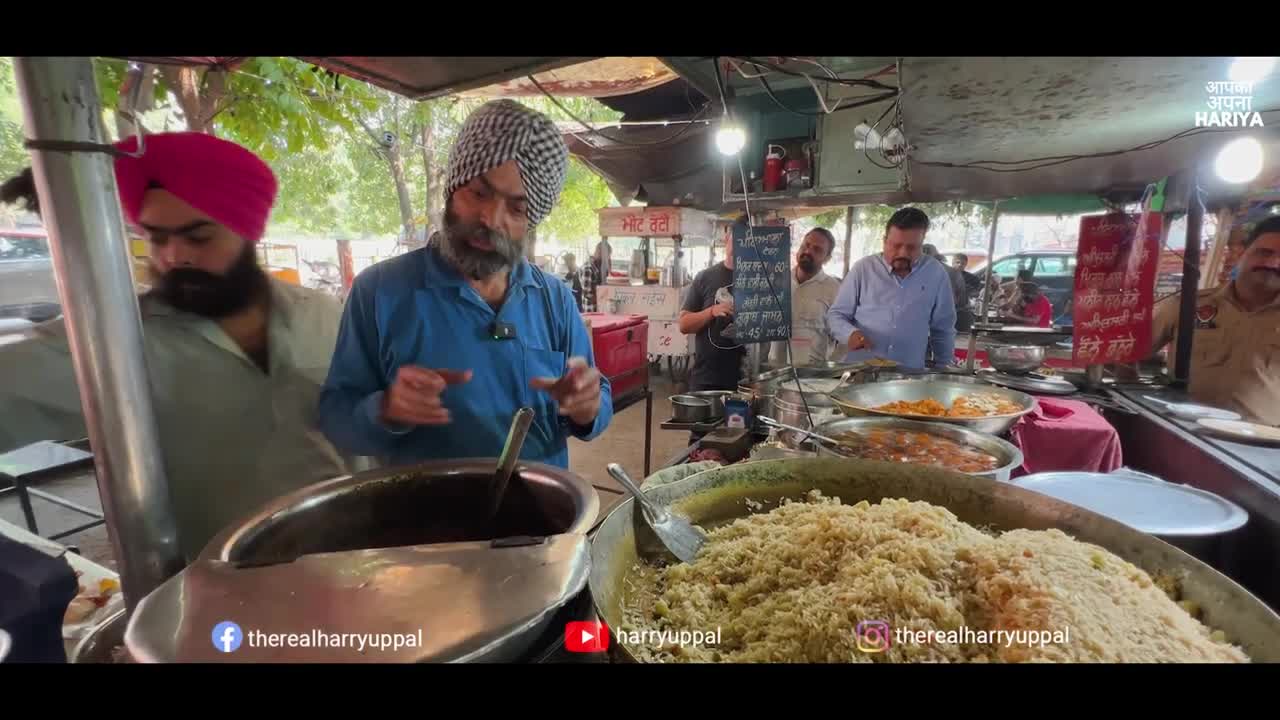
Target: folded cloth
point(1066, 435)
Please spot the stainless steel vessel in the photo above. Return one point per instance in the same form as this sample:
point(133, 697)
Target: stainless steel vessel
point(860, 401)
point(1006, 453)
point(690, 409)
point(1016, 359)
point(804, 403)
point(720, 495)
point(717, 398)
point(404, 552)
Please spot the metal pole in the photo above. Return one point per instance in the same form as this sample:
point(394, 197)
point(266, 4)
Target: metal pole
point(848, 237)
point(81, 210)
point(1190, 288)
point(970, 356)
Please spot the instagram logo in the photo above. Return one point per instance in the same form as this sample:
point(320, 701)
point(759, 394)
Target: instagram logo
point(873, 636)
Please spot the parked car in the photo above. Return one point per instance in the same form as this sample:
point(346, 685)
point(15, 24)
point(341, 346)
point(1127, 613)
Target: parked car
point(1053, 270)
point(28, 289)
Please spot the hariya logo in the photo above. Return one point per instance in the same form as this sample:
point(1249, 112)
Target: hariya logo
point(1230, 105)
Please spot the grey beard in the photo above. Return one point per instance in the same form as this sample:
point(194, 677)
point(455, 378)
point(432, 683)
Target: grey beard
point(478, 264)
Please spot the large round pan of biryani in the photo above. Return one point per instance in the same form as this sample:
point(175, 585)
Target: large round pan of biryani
point(829, 560)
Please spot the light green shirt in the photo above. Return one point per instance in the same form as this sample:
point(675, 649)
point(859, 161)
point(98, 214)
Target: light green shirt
point(232, 436)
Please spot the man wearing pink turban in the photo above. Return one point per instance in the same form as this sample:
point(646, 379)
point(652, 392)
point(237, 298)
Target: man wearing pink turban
point(236, 358)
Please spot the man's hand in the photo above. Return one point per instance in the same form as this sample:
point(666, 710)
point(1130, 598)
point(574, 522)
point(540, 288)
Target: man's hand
point(858, 341)
point(577, 393)
point(414, 397)
point(720, 310)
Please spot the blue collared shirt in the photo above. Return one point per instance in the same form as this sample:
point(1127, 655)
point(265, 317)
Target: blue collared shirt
point(416, 309)
point(901, 317)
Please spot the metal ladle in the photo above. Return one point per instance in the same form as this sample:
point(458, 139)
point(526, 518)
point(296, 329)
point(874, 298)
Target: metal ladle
point(806, 433)
point(508, 459)
point(680, 537)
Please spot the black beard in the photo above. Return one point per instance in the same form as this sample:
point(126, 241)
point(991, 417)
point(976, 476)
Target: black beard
point(215, 296)
point(472, 262)
point(807, 264)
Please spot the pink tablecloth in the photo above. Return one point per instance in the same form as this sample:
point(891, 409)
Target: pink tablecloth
point(1066, 435)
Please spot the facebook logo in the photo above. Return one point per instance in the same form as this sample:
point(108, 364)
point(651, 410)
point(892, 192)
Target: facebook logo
point(227, 636)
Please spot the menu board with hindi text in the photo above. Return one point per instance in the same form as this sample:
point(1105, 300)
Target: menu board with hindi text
point(1116, 262)
point(761, 283)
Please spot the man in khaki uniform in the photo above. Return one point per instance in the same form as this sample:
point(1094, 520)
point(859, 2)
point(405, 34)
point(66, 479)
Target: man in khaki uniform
point(1235, 356)
point(812, 294)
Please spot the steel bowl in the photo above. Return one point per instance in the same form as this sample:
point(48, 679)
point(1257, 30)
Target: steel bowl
point(860, 401)
point(717, 398)
point(1006, 453)
point(1016, 359)
point(690, 409)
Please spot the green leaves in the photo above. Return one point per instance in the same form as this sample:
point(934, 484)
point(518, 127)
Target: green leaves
point(333, 179)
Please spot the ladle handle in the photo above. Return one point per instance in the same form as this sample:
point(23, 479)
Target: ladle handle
point(807, 433)
point(617, 473)
point(510, 456)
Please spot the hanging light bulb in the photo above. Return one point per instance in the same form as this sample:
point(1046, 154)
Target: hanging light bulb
point(1239, 161)
point(730, 139)
point(1251, 69)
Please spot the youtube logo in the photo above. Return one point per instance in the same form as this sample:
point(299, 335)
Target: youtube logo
point(586, 637)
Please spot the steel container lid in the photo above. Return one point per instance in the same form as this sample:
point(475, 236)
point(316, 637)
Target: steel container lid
point(1143, 502)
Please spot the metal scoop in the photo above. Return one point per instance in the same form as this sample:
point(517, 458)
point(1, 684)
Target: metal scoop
point(807, 433)
point(677, 534)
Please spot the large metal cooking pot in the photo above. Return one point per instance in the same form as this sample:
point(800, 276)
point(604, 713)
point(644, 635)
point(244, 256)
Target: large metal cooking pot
point(798, 415)
point(1006, 453)
point(396, 550)
point(717, 496)
point(759, 390)
point(804, 403)
point(860, 401)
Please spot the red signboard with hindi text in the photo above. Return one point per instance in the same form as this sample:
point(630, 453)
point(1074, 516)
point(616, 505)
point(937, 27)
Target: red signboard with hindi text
point(1116, 262)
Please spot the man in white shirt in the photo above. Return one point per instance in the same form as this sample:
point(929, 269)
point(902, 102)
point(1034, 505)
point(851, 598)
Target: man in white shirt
point(812, 294)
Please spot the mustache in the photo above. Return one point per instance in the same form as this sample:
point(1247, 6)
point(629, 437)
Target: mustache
point(194, 279)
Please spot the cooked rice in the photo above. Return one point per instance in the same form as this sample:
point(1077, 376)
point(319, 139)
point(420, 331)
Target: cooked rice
point(792, 584)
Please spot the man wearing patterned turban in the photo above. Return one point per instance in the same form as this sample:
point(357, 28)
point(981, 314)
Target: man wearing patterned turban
point(235, 357)
point(440, 347)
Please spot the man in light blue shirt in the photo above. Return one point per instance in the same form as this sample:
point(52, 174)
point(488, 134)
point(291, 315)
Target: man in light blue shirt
point(440, 347)
point(897, 305)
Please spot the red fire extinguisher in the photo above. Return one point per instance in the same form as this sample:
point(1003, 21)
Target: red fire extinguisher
point(773, 168)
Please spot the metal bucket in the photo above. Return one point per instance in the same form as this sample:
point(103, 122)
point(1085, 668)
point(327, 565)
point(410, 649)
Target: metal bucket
point(798, 415)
